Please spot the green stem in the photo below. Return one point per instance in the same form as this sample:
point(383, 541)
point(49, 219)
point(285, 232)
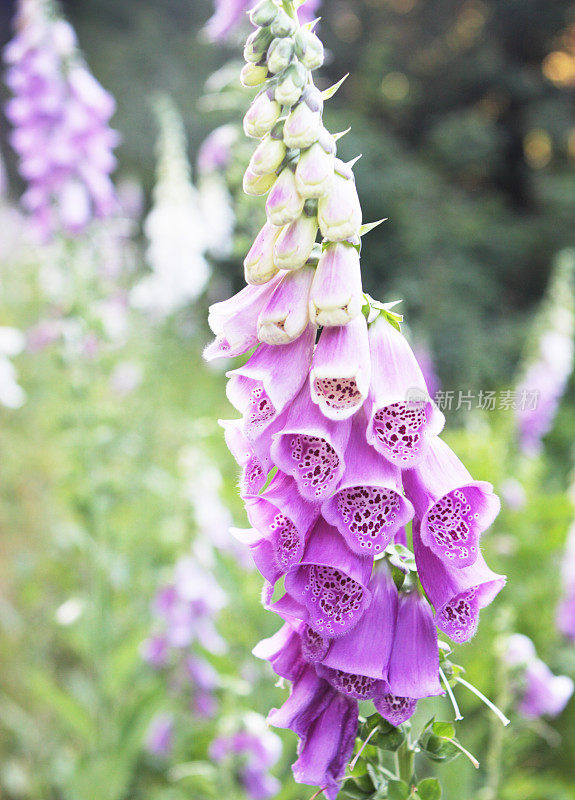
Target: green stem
point(405, 757)
point(497, 736)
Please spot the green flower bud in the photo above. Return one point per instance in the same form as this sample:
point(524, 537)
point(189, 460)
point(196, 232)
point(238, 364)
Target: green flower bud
point(257, 45)
point(309, 49)
point(268, 156)
point(264, 13)
point(253, 75)
point(290, 87)
point(261, 116)
point(280, 54)
point(283, 24)
point(302, 127)
point(257, 185)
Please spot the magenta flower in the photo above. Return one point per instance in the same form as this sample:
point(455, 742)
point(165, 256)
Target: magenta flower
point(160, 735)
point(60, 115)
point(453, 508)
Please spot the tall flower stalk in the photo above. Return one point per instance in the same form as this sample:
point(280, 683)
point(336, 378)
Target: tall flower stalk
point(339, 449)
point(60, 115)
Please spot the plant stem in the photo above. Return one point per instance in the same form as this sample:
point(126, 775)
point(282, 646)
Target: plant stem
point(405, 756)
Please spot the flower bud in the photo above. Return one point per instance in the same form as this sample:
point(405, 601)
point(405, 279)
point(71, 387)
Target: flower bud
point(290, 88)
point(253, 75)
point(257, 184)
point(283, 24)
point(264, 13)
point(336, 295)
point(285, 315)
point(261, 116)
point(295, 243)
point(309, 49)
point(314, 172)
point(259, 263)
point(339, 211)
point(268, 156)
point(284, 204)
point(280, 54)
point(257, 44)
point(302, 127)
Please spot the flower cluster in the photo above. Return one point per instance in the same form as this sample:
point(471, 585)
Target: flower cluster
point(184, 611)
point(228, 15)
point(251, 751)
point(549, 362)
point(338, 439)
point(60, 115)
point(539, 692)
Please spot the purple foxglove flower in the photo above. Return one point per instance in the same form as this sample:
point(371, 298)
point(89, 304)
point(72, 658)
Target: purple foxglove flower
point(295, 243)
point(160, 735)
point(285, 518)
point(255, 468)
point(215, 152)
point(268, 156)
point(262, 388)
point(234, 321)
point(401, 415)
point(325, 750)
point(545, 694)
point(414, 664)
point(303, 125)
point(311, 447)
point(396, 710)
point(309, 695)
point(315, 169)
point(331, 582)
point(453, 508)
point(228, 15)
point(259, 264)
point(519, 651)
point(513, 494)
point(368, 508)
point(284, 652)
point(262, 115)
point(284, 318)
point(60, 115)
point(457, 594)
point(336, 294)
point(341, 369)
point(357, 664)
point(155, 650)
point(284, 204)
point(339, 211)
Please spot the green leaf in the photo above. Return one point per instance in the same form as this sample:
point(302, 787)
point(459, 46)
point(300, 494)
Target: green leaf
point(438, 749)
point(387, 737)
point(397, 790)
point(370, 226)
point(429, 789)
point(443, 729)
point(327, 94)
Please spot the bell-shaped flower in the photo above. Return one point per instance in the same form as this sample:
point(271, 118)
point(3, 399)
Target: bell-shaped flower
point(257, 185)
point(259, 266)
point(284, 203)
point(234, 321)
point(396, 710)
point(331, 583)
point(262, 115)
point(544, 694)
point(339, 211)
point(268, 156)
point(310, 447)
point(261, 549)
point(285, 316)
point(283, 651)
point(336, 294)
point(357, 664)
point(314, 173)
point(302, 126)
point(262, 387)
point(255, 465)
point(414, 663)
point(368, 507)
point(453, 508)
point(295, 243)
point(341, 369)
point(326, 723)
point(285, 518)
point(457, 594)
point(401, 415)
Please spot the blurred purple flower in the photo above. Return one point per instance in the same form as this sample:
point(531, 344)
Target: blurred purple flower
point(160, 735)
point(215, 152)
point(60, 115)
point(229, 14)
